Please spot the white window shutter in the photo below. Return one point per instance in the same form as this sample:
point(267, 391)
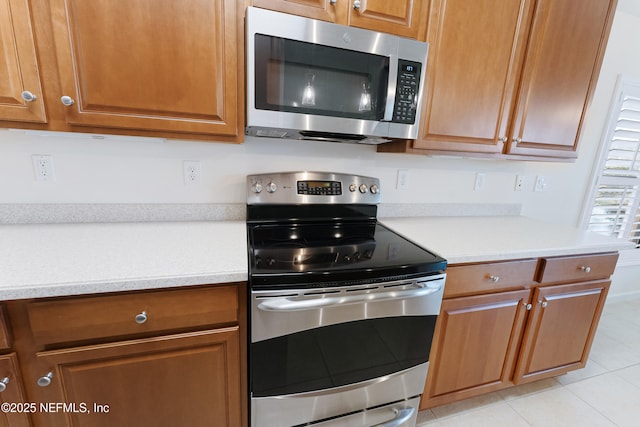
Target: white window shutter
point(615, 199)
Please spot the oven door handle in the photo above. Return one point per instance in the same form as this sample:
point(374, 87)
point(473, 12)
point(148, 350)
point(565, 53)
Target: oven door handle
point(402, 416)
point(290, 304)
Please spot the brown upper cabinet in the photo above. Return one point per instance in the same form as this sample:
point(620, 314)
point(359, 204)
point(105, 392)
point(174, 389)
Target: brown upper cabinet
point(141, 67)
point(513, 77)
point(21, 97)
point(401, 17)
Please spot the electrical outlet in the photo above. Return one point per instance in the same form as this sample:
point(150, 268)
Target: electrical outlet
point(402, 182)
point(541, 183)
point(479, 184)
point(43, 167)
point(192, 172)
point(519, 183)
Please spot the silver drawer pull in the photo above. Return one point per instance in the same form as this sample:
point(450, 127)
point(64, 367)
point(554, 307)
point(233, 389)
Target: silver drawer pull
point(28, 96)
point(402, 416)
point(585, 268)
point(141, 318)
point(292, 304)
point(3, 384)
point(494, 279)
point(67, 100)
point(45, 380)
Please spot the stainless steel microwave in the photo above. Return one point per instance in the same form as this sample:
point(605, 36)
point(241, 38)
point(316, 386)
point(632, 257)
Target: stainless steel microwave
point(309, 79)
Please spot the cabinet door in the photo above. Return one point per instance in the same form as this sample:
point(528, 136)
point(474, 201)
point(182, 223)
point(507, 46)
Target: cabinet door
point(475, 53)
point(191, 379)
point(560, 330)
point(324, 10)
point(401, 17)
point(475, 346)
point(18, 65)
point(561, 68)
point(159, 65)
point(12, 392)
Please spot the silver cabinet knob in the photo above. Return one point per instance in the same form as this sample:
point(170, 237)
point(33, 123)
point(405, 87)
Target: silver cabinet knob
point(44, 381)
point(141, 318)
point(494, 279)
point(356, 4)
point(585, 268)
point(517, 140)
point(332, 1)
point(527, 306)
point(503, 139)
point(543, 304)
point(28, 96)
point(3, 384)
point(67, 100)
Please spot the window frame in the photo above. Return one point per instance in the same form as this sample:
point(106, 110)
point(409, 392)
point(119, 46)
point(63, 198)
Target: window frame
point(625, 86)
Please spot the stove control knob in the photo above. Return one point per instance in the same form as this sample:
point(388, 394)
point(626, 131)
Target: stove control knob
point(257, 187)
point(352, 187)
point(374, 189)
point(363, 188)
point(272, 187)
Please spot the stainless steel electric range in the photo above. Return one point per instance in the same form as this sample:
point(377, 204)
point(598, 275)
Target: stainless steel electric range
point(342, 309)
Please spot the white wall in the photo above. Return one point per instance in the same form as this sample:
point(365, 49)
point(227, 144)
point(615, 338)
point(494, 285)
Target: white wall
point(146, 170)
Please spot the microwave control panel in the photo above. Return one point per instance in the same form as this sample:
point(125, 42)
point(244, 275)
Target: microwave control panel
point(407, 87)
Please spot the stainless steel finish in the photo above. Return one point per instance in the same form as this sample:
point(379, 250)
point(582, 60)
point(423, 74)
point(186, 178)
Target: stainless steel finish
point(356, 4)
point(408, 410)
point(28, 96)
point(301, 303)
point(305, 407)
point(67, 100)
point(3, 384)
point(401, 418)
point(586, 269)
point(277, 313)
point(286, 192)
point(141, 317)
point(392, 89)
point(494, 279)
point(374, 189)
point(363, 188)
point(543, 304)
point(45, 380)
point(287, 125)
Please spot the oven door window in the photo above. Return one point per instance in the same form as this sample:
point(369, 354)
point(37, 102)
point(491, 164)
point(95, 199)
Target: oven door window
point(338, 355)
point(300, 77)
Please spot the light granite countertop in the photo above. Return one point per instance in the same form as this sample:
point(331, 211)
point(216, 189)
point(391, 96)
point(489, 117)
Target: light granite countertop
point(494, 238)
point(43, 260)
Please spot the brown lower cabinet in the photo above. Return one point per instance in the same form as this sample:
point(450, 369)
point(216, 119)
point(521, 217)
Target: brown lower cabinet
point(494, 333)
point(160, 358)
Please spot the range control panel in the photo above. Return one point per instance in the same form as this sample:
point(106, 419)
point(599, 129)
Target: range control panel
point(408, 83)
point(312, 187)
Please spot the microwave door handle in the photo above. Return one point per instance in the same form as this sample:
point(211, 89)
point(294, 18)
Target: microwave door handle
point(391, 88)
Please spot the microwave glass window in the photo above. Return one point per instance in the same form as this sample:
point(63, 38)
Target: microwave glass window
point(299, 77)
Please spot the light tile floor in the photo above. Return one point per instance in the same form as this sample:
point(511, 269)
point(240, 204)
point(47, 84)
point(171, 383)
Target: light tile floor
point(605, 393)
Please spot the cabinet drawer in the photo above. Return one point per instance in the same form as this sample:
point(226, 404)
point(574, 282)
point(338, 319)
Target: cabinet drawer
point(578, 267)
point(99, 317)
point(490, 277)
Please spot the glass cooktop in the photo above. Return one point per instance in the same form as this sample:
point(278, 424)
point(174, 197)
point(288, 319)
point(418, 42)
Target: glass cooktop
point(326, 254)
